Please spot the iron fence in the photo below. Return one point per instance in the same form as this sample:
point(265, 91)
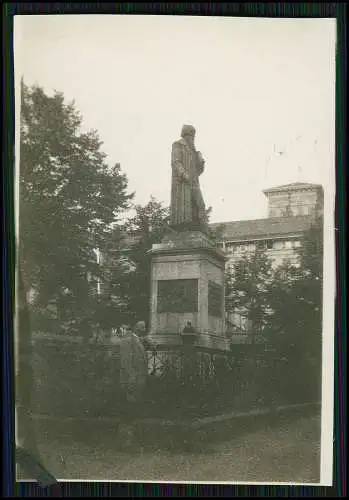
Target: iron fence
point(73, 378)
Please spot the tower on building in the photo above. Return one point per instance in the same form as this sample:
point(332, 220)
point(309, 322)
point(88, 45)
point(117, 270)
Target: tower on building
point(295, 199)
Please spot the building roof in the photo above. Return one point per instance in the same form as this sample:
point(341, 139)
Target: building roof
point(259, 228)
point(292, 186)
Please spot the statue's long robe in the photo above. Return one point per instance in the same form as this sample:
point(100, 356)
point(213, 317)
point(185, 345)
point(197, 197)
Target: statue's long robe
point(187, 204)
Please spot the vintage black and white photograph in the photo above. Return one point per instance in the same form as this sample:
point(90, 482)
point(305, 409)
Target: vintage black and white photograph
point(175, 188)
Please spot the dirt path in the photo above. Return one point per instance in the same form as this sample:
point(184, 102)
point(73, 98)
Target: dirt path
point(286, 453)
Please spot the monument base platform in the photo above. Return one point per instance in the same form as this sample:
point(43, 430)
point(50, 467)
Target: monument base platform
point(187, 285)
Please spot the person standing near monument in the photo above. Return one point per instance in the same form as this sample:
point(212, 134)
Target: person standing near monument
point(187, 208)
point(133, 379)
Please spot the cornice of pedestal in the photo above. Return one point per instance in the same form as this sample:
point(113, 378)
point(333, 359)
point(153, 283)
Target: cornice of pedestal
point(187, 242)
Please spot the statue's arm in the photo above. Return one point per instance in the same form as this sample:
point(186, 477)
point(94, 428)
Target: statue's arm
point(200, 164)
point(200, 168)
point(177, 161)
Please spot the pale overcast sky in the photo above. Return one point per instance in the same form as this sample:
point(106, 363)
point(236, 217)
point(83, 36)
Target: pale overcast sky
point(251, 87)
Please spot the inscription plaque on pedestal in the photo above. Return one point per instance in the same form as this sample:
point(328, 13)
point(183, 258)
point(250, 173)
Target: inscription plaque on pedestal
point(215, 299)
point(177, 296)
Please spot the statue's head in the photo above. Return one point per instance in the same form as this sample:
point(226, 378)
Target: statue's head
point(188, 131)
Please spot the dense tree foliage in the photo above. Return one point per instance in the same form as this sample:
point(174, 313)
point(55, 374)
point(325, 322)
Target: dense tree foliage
point(147, 226)
point(70, 199)
point(297, 290)
point(296, 325)
point(286, 304)
point(247, 288)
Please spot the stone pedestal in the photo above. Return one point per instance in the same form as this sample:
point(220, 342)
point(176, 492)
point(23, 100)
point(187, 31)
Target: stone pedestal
point(187, 284)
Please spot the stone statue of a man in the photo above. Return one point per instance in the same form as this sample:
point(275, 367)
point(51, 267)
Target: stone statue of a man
point(187, 204)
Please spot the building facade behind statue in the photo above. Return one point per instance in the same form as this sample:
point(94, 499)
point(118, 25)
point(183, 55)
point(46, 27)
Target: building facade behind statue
point(291, 210)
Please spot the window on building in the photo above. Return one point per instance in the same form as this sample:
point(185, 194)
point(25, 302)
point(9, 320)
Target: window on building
point(261, 244)
point(296, 243)
point(270, 244)
point(279, 245)
point(288, 244)
point(229, 244)
point(287, 211)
